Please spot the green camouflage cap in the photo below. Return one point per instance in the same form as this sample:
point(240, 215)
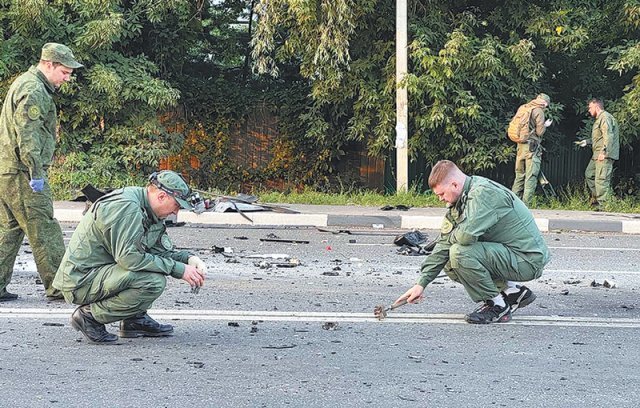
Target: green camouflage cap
point(55, 52)
point(173, 184)
point(543, 97)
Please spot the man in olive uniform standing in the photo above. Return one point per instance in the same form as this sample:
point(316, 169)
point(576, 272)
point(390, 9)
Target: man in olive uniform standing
point(529, 153)
point(488, 242)
point(120, 255)
point(27, 142)
point(605, 144)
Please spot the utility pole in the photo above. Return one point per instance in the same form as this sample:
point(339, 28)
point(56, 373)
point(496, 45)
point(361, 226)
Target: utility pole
point(402, 103)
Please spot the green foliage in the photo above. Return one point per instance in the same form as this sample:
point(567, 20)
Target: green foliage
point(79, 169)
point(110, 112)
point(174, 78)
point(411, 198)
point(471, 65)
point(572, 198)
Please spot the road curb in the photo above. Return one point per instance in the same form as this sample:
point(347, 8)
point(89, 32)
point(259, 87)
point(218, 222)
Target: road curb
point(343, 219)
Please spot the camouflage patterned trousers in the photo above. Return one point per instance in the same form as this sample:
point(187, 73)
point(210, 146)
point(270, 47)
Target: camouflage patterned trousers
point(24, 212)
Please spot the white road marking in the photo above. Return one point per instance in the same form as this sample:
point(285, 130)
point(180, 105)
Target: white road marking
point(242, 315)
point(597, 249)
point(589, 271)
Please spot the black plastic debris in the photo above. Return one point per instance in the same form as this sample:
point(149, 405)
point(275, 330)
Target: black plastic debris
point(398, 207)
point(414, 243)
point(411, 238)
point(330, 326)
point(412, 251)
point(92, 194)
point(285, 241)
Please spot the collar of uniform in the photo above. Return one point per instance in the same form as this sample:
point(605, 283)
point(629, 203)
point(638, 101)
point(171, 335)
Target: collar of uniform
point(35, 71)
point(147, 207)
point(462, 200)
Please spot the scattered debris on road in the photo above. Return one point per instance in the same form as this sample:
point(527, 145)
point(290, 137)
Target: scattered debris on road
point(414, 243)
point(609, 284)
point(284, 346)
point(286, 241)
point(330, 326)
point(399, 207)
point(331, 273)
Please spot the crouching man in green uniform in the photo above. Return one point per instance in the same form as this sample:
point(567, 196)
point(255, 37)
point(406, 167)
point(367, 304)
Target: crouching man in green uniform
point(488, 242)
point(118, 259)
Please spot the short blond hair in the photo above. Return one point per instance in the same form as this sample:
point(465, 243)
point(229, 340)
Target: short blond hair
point(441, 172)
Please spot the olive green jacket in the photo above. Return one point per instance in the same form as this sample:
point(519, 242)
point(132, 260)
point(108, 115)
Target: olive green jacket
point(28, 126)
point(605, 137)
point(120, 228)
point(536, 122)
point(487, 211)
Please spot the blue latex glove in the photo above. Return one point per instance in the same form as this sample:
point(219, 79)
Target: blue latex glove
point(37, 185)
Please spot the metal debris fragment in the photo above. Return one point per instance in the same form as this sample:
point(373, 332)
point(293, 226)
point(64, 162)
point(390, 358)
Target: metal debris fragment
point(285, 241)
point(330, 326)
point(284, 346)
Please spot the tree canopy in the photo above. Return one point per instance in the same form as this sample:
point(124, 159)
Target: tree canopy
point(472, 63)
point(179, 78)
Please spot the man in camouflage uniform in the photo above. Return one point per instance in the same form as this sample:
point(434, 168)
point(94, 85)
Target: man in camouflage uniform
point(605, 144)
point(27, 142)
point(120, 255)
point(488, 242)
point(529, 153)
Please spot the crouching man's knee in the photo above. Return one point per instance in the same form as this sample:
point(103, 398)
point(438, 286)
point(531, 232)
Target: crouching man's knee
point(462, 256)
point(154, 284)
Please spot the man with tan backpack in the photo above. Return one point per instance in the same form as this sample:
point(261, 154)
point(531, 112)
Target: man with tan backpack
point(526, 129)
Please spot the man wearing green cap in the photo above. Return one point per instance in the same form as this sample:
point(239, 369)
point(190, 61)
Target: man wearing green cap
point(27, 136)
point(529, 153)
point(605, 144)
point(120, 255)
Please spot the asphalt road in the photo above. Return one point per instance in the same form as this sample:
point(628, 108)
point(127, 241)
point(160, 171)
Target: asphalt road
point(305, 336)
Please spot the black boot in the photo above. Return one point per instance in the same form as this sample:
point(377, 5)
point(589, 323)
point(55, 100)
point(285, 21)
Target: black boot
point(8, 296)
point(143, 325)
point(83, 321)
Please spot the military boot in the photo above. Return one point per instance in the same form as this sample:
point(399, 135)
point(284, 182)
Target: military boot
point(7, 296)
point(83, 321)
point(143, 325)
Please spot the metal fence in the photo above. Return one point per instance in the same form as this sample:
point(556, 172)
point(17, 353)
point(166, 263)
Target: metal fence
point(563, 168)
